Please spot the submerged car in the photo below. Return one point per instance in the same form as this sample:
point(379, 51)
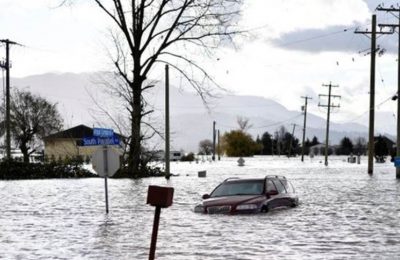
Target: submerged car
point(254, 195)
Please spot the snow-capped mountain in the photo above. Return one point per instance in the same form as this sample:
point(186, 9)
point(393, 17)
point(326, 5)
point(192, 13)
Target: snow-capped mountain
point(191, 121)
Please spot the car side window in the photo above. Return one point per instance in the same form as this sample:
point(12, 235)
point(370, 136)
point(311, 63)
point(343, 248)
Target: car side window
point(279, 186)
point(287, 186)
point(270, 186)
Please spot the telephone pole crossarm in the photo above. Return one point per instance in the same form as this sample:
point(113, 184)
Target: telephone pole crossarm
point(332, 96)
point(388, 25)
point(369, 32)
point(391, 9)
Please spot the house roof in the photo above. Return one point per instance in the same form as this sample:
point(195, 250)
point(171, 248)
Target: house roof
point(77, 132)
point(385, 139)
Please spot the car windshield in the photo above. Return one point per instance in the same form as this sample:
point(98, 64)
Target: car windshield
point(253, 187)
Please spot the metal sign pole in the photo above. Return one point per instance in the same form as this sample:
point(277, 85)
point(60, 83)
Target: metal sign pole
point(105, 156)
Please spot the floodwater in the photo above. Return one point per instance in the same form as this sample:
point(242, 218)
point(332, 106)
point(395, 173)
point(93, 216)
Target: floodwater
point(343, 214)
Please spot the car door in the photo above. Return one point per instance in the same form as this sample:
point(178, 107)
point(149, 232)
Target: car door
point(273, 200)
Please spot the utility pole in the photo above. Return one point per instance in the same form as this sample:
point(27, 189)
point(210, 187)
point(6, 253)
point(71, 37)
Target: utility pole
point(392, 27)
point(306, 98)
point(167, 148)
point(213, 156)
point(329, 105)
point(291, 140)
point(6, 65)
point(372, 92)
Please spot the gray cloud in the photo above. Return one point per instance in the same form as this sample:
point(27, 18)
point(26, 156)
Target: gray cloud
point(341, 38)
point(335, 38)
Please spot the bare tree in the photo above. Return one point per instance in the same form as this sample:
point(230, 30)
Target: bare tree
point(279, 136)
point(243, 123)
point(32, 118)
point(149, 32)
point(360, 146)
point(206, 147)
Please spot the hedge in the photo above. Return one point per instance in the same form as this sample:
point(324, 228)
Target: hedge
point(14, 170)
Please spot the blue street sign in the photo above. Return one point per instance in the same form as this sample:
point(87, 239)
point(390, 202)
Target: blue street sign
point(397, 161)
point(95, 140)
point(103, 132)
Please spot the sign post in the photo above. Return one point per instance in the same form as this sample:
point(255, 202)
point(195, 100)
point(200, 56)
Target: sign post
point(106, 161)
point(159, 197)
point(105, 156)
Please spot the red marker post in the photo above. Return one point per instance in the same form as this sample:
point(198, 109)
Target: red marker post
point(159, 197)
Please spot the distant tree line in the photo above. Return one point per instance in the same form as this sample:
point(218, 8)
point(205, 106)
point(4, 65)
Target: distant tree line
point(237, 143)
point(282, 143)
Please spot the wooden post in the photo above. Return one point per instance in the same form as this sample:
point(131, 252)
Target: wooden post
point(304, 127)
point(371, 143)
point(327, 125)
point(213, 156)
point(167, 148)
point(105, 156)
point(155, 233)
point(219, 147)
point(398, 103)
point(8, 123)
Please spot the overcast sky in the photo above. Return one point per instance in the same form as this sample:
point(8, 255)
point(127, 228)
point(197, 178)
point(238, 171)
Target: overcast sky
point(296, 46)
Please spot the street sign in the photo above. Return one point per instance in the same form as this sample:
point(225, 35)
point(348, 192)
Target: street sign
point(95, 140)
point(103, 132)
point(106, 161)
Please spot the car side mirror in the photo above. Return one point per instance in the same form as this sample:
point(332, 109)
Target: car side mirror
point(272, 193)
point(206, 196)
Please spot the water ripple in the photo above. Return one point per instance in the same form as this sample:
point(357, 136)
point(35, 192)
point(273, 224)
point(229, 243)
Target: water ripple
point(343, 214)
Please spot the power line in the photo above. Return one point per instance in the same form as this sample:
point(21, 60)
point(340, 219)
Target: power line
point(277, 123)
point(314, 37)
point(263, 126)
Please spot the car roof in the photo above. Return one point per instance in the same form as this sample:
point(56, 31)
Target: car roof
point(236, 179)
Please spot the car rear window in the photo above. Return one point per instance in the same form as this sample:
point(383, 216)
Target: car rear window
point(239, 188)
point(279, 186)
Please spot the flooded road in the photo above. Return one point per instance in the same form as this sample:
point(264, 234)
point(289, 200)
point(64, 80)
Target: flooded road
point(343, 214)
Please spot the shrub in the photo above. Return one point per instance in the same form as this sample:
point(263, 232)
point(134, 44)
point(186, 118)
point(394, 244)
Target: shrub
point(15, 170)
point(188, 158)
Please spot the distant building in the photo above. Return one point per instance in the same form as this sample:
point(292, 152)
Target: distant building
point(173, 155)
point(68, 143)
point(390, 145)
point(319, 149)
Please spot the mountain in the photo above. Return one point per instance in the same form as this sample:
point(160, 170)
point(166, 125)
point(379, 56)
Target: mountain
point(191, 121)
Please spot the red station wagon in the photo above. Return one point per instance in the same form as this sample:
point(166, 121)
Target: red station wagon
point(236, 195)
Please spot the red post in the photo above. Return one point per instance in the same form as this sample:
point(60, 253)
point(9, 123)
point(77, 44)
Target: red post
point(159, 197)
point(155, 233)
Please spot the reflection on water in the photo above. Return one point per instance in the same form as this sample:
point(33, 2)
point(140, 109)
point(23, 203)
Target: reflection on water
point(344, 213)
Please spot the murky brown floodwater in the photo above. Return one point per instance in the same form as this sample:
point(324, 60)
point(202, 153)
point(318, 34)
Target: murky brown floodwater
point(344, 214)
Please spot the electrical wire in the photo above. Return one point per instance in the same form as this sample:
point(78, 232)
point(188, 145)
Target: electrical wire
point(313, 38)
point(360, 115)
point(264, 126)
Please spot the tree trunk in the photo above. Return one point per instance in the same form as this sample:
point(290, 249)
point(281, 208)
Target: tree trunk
point(135, 148)
point(24, 151)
